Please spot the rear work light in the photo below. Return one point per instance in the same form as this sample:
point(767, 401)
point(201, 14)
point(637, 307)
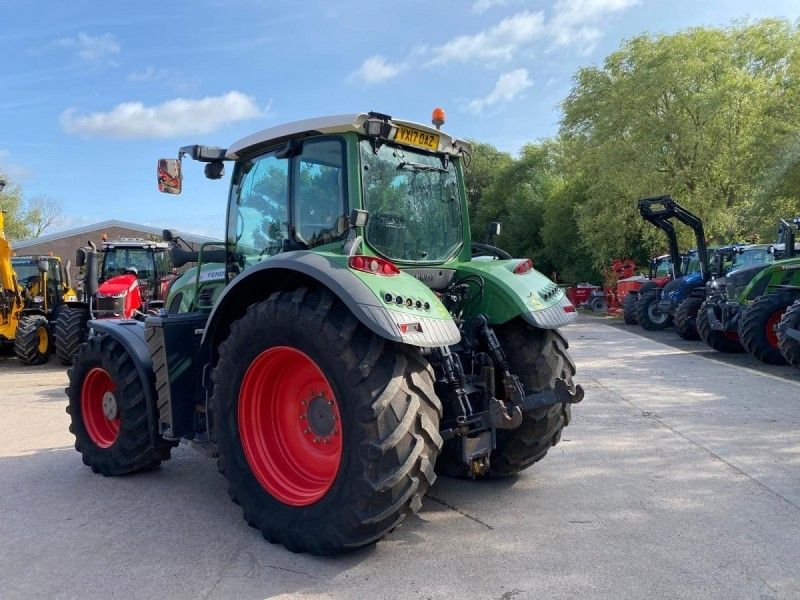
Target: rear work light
point(568, 308)
point(374, 265)
point(524, 267)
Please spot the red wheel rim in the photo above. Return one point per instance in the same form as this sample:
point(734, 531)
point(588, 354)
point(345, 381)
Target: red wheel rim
point(731, 335)
point(772, 323)
point(290, 426)
point(101, 422)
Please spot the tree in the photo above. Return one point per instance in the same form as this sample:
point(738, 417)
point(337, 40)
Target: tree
point(706, 115)
point(11, 202)
point(484, 168)
point(42, 213)
point(26, 218)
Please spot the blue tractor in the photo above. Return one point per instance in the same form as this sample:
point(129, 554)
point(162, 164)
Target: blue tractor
point(679, 300)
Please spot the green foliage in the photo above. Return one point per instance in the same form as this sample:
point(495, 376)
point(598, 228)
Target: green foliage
point(707, 115)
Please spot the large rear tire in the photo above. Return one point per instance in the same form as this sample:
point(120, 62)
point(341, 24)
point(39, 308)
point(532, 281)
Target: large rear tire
point(71, 330)
point(790, 347)
point(538, 357)
point(757, 328)
point(721, 341)
point(32, 340)
point(357, 413)
point(686, 318)
point(648, 315)
point(629, 308)
point(108, 410)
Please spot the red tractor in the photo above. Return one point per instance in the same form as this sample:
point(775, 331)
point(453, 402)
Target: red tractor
point(134, 276)
point(630, 288)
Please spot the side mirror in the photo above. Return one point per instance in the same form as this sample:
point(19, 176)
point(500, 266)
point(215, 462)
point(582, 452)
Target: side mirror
point(492, 230)
point(168, 235)
point(80, 258)
point(43, 266)
point(169, 174)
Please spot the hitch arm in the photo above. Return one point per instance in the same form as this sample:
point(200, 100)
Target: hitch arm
point(562, 393)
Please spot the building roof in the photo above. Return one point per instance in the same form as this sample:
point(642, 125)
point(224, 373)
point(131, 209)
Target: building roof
point(333, 124)
point(145, 229)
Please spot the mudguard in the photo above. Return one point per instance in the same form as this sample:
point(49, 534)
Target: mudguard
point(507, 295)
point(365, 294)
point(130, 334)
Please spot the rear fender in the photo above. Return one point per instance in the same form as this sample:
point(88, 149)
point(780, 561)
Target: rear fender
point(130, 334)
point(507, 295)
point(363, 293)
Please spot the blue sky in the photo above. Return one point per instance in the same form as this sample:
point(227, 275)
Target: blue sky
point(92, 93)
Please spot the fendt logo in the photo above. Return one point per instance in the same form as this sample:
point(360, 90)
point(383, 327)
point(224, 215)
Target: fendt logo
point(424, 277)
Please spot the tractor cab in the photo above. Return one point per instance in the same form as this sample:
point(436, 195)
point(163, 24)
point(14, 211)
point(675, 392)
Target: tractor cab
point(660, 268)
point(132, 278)
point(124, 279)
point(45, 282)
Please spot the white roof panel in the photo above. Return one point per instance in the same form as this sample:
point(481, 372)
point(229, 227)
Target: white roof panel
point(332, 124)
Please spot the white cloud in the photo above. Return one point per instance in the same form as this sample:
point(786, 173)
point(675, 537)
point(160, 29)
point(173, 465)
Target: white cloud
point(172, 118)
point(576, 21)
point(96, 50)
point(171, 77)
point(509, 86)
point(481, 6)
point(498, 43)
point(376, 69)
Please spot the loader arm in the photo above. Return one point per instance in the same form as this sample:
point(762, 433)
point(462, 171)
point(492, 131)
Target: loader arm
point(660, 210)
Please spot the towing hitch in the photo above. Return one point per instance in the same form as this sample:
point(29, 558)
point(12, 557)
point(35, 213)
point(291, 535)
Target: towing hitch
point(562, 393)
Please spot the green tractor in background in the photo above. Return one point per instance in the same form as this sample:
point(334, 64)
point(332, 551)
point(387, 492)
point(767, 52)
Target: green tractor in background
point(345, 343)
point(743, 309)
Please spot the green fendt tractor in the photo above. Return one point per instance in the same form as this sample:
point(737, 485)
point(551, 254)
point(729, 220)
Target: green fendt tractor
point(351, 340)
point(743, 308)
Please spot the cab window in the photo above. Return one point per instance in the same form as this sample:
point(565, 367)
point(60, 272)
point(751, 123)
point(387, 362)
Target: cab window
point(259, 216)
point(318, 192)
point(162, 264)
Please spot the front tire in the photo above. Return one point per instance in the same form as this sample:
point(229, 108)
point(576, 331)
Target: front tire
point(32, 341)
point(648, 315)
point(757, 328)
point(686, 318)
point(790, 347)
point(71, 330)
point(108, 410)
point(356, 467)
point(721, 341)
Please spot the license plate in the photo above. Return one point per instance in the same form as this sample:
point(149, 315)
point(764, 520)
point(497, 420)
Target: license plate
point(417, 137)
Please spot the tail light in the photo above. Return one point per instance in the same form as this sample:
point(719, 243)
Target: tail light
point(374, 265)
point(524, 267)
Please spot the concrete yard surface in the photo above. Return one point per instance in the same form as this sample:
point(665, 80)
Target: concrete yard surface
point(679, 477)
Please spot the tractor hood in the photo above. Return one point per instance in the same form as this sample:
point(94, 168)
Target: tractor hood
point(737, 280)
point(118, 285)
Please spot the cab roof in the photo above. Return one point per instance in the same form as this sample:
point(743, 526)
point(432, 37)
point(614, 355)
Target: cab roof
point(332, 124)
point(134, 243)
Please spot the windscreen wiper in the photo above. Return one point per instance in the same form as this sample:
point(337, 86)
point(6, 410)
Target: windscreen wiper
point(417, 167)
